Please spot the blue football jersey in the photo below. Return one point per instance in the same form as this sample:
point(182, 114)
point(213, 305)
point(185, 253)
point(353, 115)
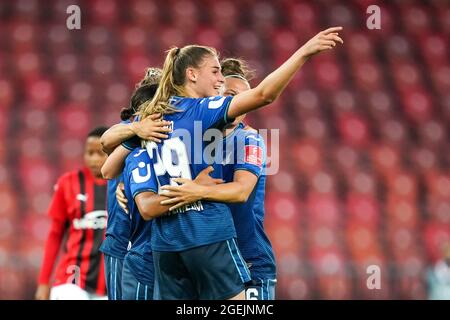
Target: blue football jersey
point(118, 225)
point(245, 150)
point(138, 176)
point(185, 154)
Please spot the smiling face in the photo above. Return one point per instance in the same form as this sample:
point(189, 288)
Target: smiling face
point(207, 79)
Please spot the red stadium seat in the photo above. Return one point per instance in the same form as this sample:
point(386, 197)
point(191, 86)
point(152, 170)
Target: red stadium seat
point(394, 132)
point(306, 103)
point(385, 159)
point(346, 159)
point(76, 120)
point(7, 94)
point(363, 209)
point(367, 76)
point(433, 133)
point(263, 17)
point(327, 73)
point(24, 36)
point(443, 14)
point(402, 185)
point(424, 159)
point(323, 209)
point(436, 235)
point(323, 238)
point(7, 228)
point(133, 38)
point(434, 48)
point(358, 46)
point(416, 19)
point(307, 156)
point(303, 18)
point(224, 17)
point(285, 42)
point(283, 207)
point(4, 125)
point(36, 226)
point(401, 212)
point(171, 37)
point(343, 101)
point(438, 184)
point(353, 129)
point(98, 40)
point(41, 93)
point(314, 127)
point(210, 37)
point(248, 44)
point(104, 12)
point(330, 271)
point(82, 93)
point(411, 276)
point(185, 18)
point(439, 209)
point(295, 287)
point(398, 48)
point(13, 284)
point(417, 105)
point(440, 76)
point(362, 240)
point(37, 175)
point(146, 14)
point(380, 105)
point(58, 39)
point(406, 76)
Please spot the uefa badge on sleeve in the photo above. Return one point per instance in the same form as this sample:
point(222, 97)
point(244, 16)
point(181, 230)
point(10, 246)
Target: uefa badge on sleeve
point(254, 155)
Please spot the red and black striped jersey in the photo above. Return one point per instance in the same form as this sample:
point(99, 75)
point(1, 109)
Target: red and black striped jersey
point(79, 207)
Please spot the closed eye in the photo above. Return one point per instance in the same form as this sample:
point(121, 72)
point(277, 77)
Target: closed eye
point(229, 93)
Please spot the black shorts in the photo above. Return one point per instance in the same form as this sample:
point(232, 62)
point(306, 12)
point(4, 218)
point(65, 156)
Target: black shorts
point(212, 272)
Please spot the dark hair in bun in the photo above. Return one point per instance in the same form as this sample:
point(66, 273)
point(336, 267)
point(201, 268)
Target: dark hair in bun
point(236, 67)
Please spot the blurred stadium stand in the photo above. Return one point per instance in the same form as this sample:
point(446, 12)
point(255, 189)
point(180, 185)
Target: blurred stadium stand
point(365, 159)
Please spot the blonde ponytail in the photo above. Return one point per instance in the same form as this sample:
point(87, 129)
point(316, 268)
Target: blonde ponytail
point(173, 78)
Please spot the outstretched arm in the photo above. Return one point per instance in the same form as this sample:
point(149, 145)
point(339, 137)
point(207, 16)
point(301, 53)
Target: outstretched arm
point(273, 85)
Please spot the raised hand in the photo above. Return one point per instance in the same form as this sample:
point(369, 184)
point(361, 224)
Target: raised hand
point(324, 40)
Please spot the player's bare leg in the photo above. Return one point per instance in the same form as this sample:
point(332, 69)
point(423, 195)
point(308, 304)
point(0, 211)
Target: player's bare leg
point(239, 296)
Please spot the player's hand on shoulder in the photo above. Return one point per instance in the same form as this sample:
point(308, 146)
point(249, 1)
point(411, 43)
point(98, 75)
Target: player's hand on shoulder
point(152, 128)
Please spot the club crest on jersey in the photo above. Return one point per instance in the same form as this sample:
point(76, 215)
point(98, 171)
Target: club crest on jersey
point(254, 155)
point(137, 177)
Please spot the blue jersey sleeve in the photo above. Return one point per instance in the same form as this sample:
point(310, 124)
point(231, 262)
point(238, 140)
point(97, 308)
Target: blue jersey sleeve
point(134, 141)
point(252, 156)
point(212, 111)
point(140, 172)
